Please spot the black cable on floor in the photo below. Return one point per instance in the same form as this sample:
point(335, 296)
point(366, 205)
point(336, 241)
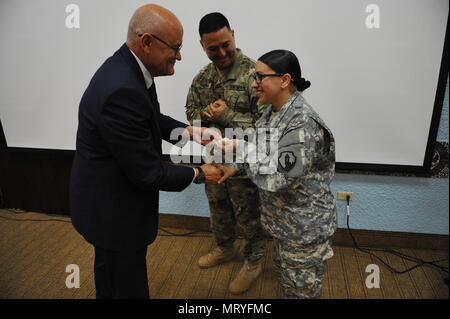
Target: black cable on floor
point(368, 250)
point(186, 234)
point(68, 221)
point(31, 220)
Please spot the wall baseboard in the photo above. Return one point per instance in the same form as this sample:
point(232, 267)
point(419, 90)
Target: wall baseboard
point(370, 238)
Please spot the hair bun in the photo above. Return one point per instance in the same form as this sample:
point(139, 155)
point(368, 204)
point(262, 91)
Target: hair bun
point(301, 84)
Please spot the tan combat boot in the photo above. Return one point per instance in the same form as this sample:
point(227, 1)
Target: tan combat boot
point(217, 256)
point(246, 276)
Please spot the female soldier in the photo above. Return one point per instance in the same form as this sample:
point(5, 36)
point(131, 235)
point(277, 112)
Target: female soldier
point(297, 206)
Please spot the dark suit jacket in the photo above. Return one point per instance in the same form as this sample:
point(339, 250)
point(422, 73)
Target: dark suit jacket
point(117, 172)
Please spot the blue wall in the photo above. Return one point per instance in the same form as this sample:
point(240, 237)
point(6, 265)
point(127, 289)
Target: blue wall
point(389, 203)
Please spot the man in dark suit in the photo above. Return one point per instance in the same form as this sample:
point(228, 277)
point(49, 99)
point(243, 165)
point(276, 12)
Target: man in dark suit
point(117, 171)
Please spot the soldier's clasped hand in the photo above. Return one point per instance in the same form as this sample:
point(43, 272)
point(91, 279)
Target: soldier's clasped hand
point(215, 110)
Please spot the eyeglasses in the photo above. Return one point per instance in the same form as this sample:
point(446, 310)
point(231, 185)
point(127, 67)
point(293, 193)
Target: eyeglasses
point(258, 77)
point(177, 49)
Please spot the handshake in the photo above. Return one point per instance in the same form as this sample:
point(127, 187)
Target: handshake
point(213, 173)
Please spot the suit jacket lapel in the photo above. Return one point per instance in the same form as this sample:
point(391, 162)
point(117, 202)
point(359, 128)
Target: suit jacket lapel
point(154, 105)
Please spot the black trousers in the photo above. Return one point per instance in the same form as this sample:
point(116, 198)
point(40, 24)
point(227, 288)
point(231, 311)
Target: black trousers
point(121, 274)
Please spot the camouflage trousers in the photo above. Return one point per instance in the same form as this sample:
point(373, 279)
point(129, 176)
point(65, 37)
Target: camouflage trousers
point(301, 268)
point(232, 203)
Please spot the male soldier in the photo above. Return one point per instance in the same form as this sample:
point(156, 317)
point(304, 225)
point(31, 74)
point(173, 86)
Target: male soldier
point(228, 78)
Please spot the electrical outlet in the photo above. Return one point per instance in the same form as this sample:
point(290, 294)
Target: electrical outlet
point(343, 195)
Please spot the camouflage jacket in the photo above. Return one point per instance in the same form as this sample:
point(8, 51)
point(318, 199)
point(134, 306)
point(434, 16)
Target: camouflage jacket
point(234, 86)
point(296, 199)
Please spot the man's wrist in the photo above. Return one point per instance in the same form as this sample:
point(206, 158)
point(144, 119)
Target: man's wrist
point(199, 176)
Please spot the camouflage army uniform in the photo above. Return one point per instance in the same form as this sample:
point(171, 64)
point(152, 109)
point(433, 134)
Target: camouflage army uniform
point(236, 200)
point(298, 208)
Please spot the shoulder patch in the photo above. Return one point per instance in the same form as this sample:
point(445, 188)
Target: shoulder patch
point(286, 161)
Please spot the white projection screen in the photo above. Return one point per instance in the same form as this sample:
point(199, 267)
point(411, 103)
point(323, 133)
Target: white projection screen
point(375, 66)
